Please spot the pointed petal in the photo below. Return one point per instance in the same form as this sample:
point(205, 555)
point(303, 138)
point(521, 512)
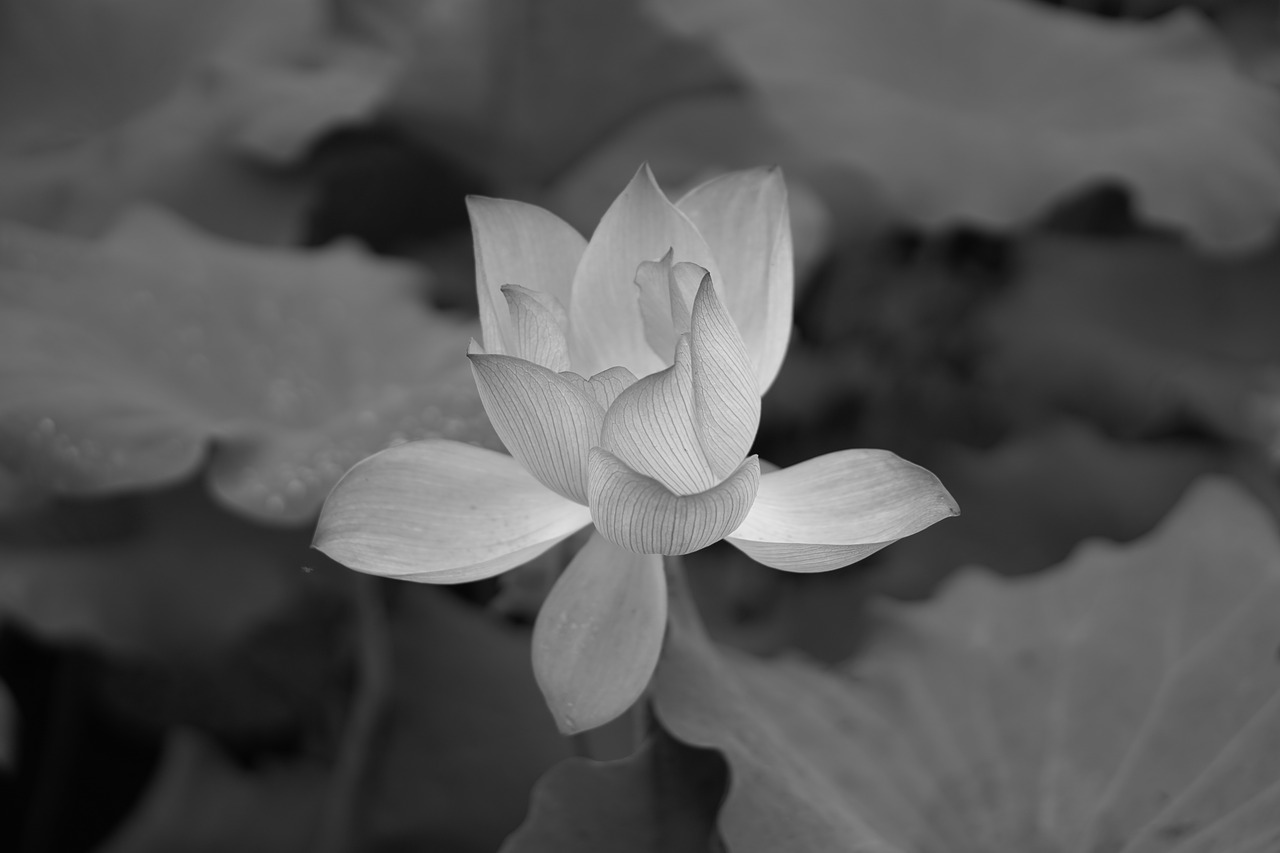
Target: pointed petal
point(836, 509)
point(538, 326)
point(744, 218)
point(518, 243)
point(598, 635)
point(666, 293)
point(726, 403)
point(544, 420)
point(605, 386)
point(442, 512)
point(605, 329)
point(653, 280)
point(640, 514)
point(651, 427)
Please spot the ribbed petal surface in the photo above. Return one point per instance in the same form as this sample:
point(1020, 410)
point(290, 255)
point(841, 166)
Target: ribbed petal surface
point(605, 329)
point(518, 243)
point(538, 326)
point(652, 427)
point(598, 635)
point(745, 220)
point(605, 386)
point(642, 515)
point(836, 509)
point(726, 404)
point(545, 420)
point(442, 512)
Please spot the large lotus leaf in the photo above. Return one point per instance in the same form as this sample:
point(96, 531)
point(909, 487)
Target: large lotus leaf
point(1127, 700)
point(662, 799)
point(459, 735)
point(202, 800)
point(124, 363)
point(989, 111)
point(157, 577)
point(467, 734)
point(69, 68)
point(1145, 338)
point(521, 90)
point(281, 74)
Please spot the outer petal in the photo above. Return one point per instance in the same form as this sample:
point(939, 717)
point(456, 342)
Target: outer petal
point(518, 243)
point(726, 400)
point(545, 420)
point(642, 515)
point(744, 218)
point(442, 512)
point(538, 326)
point(598, 635)
point(604, 315)
point(652, 427)
point(836, 509)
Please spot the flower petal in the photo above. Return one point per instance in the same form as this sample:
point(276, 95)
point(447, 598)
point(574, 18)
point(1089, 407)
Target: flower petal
point(518, 243)
point(726, 401)
point(605, 329)
point(598, 635)
point(538, 326)
point(745, 219)
point(836, 509)
point(666, 293)
point(544, 420)
point(442, 512)
point(640, 514)
point(652, 428)
point(605, 386)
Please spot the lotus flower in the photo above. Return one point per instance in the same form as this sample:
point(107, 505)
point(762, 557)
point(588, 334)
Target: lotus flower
point(624, 376)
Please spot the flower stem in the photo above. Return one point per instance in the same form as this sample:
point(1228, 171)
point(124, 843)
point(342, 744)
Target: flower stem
point(337, 832)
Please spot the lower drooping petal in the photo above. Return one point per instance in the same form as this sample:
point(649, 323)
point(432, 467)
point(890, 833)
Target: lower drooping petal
point(640, 514)
point(836, 509)
point(545, 420)
point(442, 512)
point(598, 635)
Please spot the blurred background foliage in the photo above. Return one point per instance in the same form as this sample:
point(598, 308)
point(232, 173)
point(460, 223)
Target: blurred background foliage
point(1035, 253)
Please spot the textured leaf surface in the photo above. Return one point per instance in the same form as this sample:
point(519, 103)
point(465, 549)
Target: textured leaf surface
point(123, 362)
point(989, 111)
point(1128, 697)
point(663, 799)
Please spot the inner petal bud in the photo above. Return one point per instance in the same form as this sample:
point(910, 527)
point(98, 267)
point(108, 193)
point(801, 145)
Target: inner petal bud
point(666, 292)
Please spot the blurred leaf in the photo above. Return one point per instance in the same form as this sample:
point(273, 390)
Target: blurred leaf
point(468, 732)
point(520, 91)
point(987, 111)
point(1145, 338)
point(1129, 696)
point(69, 68)
point(201, 802)
point(662, 799)
point(164, 577)
point(281, 73)
point(123, 363)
